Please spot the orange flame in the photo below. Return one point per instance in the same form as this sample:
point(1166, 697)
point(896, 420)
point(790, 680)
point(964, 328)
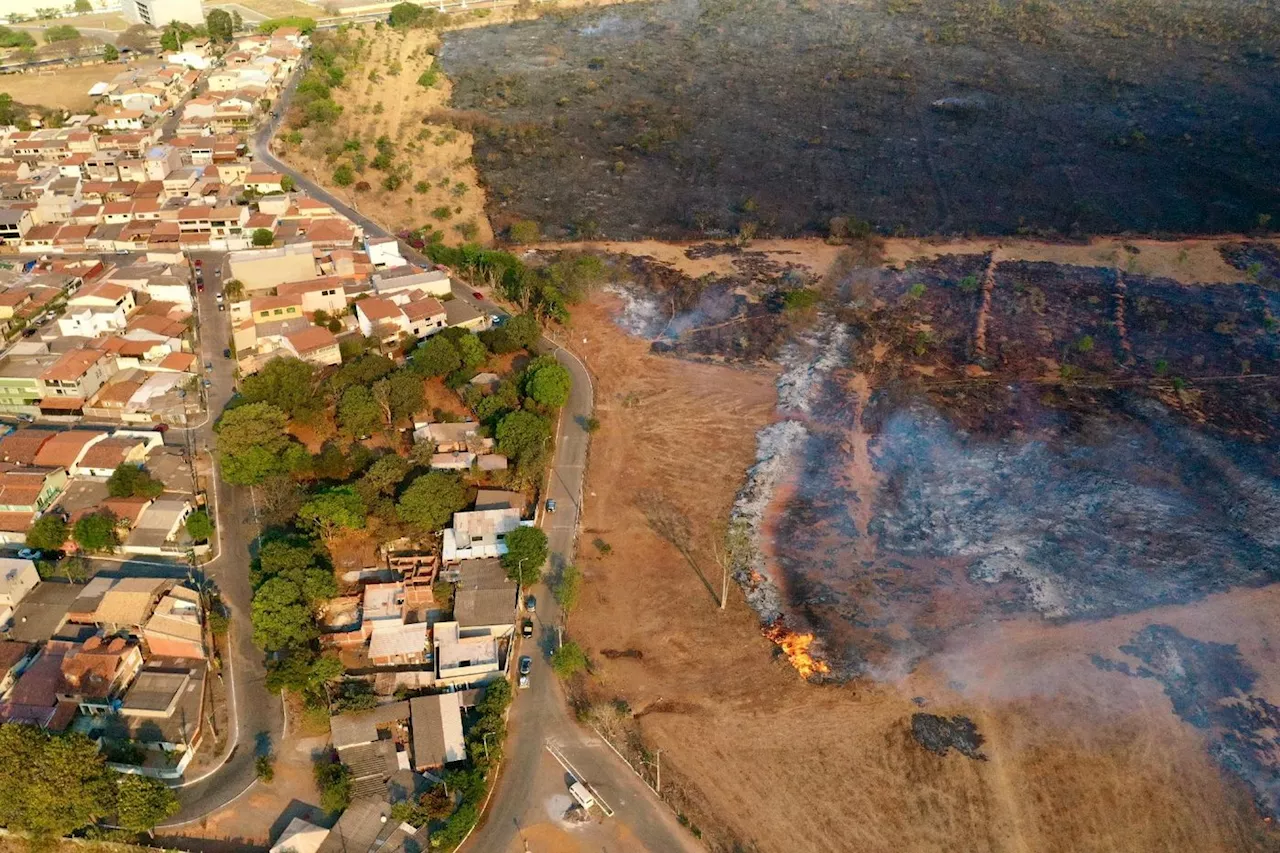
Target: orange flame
point(796, 647)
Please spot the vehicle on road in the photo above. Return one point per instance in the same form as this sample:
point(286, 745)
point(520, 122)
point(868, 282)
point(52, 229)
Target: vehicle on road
point(29, 554)
point(531, 604)
point(526, 630)
point(221, 307)
point(523, 681)
point(208, 384)
point(526, 664)
point(198, 263)
point(218, 296)
point(208, 365)
point(580, 793)
point(226, 353)
point(199, 286)
point(551, 505)
point(475, 294)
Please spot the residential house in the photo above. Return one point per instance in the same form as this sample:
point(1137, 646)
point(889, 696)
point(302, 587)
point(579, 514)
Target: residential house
point(65, 449)
point(103, 457)
point(30, 490)
point(36, 698)
point(129, 603)
point(315, 344)
point(404, 279)
point(72, 379)
point(21, 446)
point(158, 527)
point(14, 657)
point(485, 599)
point(479, 533)
point(262, 269)
point(462, 657)
point(97, 671)
point(17, 578)
point(437, 731)
point(271, 309)
point(326, 293)
point(175, 629)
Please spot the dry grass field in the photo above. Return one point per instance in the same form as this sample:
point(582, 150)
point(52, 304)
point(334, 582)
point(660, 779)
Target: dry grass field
point(442, 189)
point(67, 87)
point(1076, 758)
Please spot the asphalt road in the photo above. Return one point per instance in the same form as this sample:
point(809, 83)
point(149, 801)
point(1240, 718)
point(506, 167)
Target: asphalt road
point(257, 715)
point(540, 715)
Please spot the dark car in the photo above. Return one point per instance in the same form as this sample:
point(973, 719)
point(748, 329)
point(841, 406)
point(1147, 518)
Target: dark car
point(199, 286)
point(226, 353)
point(477, 295)
point(526, 630)
point(526, 664)
point(199, 263)
point(531, 604)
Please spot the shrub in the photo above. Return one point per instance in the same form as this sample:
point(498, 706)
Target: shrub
point(429, 78)
point(524, 231)
point(265, 767)
point(801, 299)
point(263, 237)
point(569, 660)
point(442, 213)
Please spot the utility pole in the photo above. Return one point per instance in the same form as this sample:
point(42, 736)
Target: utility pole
point(658, 789)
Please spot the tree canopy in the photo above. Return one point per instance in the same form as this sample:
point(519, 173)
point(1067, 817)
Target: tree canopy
point(132, 481)
point(568, 660)
point(333, 510)
point(399, 396)
point(49, 533)
point(253, 445)
point(143, 802)
point(526, 552)
point(199, 527)
point(220, 25)
point(436, 356)
point(287, 383)
point(383, 477)
point(263, 237)
point(96, 532)
point(523, 434)
point(431, 500)
point(549, 385)
point(54, 784)
point(281, 616)
point(358, 412)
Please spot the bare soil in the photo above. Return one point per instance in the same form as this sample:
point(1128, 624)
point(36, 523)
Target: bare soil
point(675, 119)
point(1078, 757)
point(67, 88)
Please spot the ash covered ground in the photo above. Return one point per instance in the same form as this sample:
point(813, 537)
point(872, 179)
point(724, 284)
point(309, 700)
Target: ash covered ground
point(690, 117)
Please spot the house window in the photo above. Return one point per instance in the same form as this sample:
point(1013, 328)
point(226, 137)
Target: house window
point(279, 311)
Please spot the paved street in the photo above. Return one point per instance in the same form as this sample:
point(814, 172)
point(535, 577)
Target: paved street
point(256, 710)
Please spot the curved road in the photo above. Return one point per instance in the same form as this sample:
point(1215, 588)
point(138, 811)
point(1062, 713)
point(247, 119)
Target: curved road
point(539, 716)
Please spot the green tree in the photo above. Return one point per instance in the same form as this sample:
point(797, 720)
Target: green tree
point(304, 673)
point(431, 500)
point(287, 183)
point(334, 781)
point(471, 350)
point(383, 477)
point(526, 553)
point(171, 40)
point(306, 26)
point(96, 532)
point(253, 445)
point(334, 510)
point(344, 175)
point(358, 412)
point(110, 53)
point(523, 434)
point(49, 533)
point(263, 237)
point(568, 660)
point(363, 370)
point(15, 38)
point(234, 289)
point(399, 396)
point(82, 6)
point(405, 14)
point(63, 32)
point(295, 560)
point(54, 784)
point(550, 386)
point(287, 383)
point(568, 589)
point(143, 802)
point(524, 231)
point(436, 356)
point(281, 616)
point(237, 22)
point(199, 527)
point(132, 481)
point(221, 27)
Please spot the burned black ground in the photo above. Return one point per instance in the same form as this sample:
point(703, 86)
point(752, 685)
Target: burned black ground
point(942, 734)
point(690, 117)
point(1212, 687)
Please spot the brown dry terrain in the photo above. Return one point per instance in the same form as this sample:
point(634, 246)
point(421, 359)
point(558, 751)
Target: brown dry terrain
point(1077, 756)
point(67, 88)
point(378, 103)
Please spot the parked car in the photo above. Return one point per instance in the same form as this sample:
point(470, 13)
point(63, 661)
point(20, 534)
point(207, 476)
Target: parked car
point(221, 307)
point(199, 286)
point(551, 505)
point(29, 554)
point(208, 365)
point(208, 384)
point(523, 681)
point(526, 630)
point(226, 353)
point(477, 295)
point(531, 604)
point(218, 296)
point(526, 664)
point(198, 263)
